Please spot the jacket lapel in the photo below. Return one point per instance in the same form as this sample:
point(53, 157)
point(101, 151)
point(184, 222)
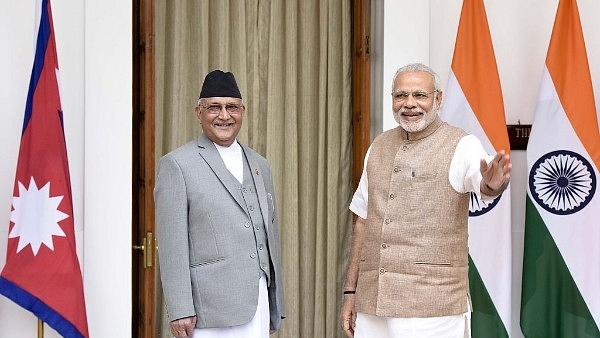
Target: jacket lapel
point(210, 154)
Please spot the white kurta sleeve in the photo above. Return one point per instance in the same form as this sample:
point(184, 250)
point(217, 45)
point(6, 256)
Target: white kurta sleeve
point(464, 172)
point(360, 200)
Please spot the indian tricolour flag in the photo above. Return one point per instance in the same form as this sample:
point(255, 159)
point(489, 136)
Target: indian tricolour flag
point(473, 101)
point(561, 265)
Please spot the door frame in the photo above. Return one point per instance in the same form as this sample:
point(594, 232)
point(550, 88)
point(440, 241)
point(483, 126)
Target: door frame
point(361, 85)
point(144, 244)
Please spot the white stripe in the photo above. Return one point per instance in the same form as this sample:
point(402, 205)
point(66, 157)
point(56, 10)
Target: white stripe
point(489, 234)
point(457, 111)
point(577, 235)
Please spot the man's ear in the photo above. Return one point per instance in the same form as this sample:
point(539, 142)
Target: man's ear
point(198, 111)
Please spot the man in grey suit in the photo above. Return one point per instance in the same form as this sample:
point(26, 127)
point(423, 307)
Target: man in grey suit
point(217, 227)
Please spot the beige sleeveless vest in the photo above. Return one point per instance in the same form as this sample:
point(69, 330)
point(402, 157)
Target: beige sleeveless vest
point(414, 260)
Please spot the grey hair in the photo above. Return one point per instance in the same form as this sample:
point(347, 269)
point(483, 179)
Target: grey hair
point(418, 67)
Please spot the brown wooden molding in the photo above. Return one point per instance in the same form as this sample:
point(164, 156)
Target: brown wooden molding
point(361, 86)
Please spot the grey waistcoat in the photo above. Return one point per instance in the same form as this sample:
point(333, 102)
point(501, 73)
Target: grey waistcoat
point(256, 222)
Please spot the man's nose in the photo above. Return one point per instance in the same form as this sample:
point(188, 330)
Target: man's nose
point(224, 114)
point(410, 102)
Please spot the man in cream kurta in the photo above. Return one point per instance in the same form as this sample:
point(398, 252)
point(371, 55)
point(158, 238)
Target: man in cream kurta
point(408, 266)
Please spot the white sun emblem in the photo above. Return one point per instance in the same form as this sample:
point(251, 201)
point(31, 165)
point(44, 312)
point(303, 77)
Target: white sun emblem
point(36, 217)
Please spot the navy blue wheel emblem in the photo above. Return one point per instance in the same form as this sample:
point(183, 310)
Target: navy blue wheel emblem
point(478, 207)
point(562, 182)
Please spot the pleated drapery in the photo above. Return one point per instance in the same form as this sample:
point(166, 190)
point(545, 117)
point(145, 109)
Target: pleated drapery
point(292, 62)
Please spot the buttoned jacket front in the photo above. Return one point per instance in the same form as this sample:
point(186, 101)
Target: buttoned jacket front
point(414, 256)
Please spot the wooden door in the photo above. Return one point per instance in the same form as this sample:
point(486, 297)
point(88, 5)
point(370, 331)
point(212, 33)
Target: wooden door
point(361, 85)
point(144, 244)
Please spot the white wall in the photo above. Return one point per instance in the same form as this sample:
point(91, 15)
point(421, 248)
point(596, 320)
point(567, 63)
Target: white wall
point(425, 31)
point(94, 53)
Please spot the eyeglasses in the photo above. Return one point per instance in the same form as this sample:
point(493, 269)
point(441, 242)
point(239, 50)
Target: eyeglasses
point(419, 95)
point(231, 108)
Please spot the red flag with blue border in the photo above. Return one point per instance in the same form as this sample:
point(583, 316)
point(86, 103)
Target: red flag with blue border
point(42, 272)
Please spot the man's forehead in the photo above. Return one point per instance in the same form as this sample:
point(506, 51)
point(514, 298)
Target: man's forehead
point(420, 79)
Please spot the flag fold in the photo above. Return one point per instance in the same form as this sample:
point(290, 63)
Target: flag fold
point(473, 101)
point(561, 274)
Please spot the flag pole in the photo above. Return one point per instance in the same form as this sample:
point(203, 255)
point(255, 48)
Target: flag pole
point(40, 330)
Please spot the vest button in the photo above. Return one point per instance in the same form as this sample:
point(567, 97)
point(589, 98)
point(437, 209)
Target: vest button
point(384, 245)
point(247, 224)
point(392, 196)
point(396, 169)
point(387, 221)
point(381, 271)
point(253, 255)
point(404, 147)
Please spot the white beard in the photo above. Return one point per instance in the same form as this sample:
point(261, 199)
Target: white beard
point(415, 126)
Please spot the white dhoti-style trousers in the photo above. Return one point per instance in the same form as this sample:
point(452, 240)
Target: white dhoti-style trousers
point(368, 326)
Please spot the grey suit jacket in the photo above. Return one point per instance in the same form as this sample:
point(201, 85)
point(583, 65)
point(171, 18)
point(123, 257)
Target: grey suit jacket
point(204, 246)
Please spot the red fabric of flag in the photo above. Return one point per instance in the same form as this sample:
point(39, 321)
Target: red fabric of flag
point(42, 272)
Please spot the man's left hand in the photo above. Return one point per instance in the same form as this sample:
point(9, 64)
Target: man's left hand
point(496, 173)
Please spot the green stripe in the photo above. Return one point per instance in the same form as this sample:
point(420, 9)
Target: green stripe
point(551, 304)
point(485, 320)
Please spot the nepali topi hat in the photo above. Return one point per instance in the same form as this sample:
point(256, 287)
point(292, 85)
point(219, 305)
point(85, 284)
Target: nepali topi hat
point(220, 84)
